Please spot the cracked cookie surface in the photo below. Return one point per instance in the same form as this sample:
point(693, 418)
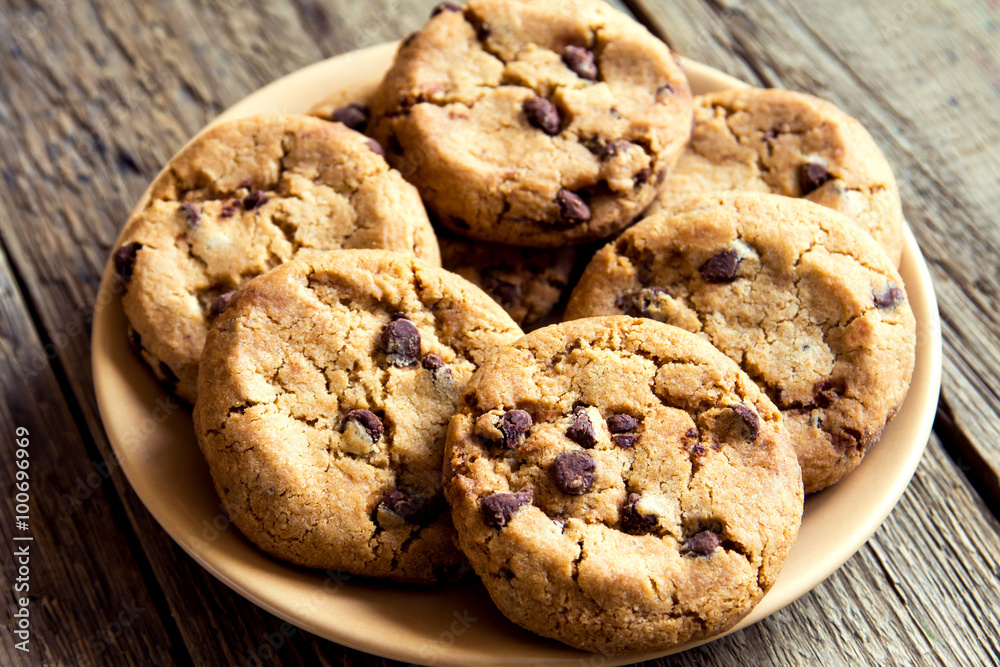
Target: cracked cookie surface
point(527, 282)
point(324, 397)
point(802, 299)
point(620, 485)
point(792, 144)
point(244, 197)
point(533, 123)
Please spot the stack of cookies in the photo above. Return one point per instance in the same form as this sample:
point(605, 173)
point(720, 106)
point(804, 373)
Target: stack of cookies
point(629, 478)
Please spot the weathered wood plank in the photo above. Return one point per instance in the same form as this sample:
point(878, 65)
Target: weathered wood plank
point(102, 93)
point(924, 77)
point(87, 598)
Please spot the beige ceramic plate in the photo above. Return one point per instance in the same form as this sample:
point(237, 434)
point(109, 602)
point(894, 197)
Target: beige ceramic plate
point(156, 448)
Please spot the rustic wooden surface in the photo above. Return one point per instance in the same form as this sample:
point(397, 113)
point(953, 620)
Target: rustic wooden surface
point(95, 96)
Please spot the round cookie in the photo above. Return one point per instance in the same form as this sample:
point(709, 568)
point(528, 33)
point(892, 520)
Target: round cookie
point(792, 144)
point(533, 123)
point(242, 198)
point(620, 485)
point(324, 398)
point(527, 282)
point(799, 296)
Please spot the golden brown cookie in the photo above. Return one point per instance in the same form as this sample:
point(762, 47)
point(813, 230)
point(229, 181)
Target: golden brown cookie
point(242, 198)
point(527, 282)
point(792, 144)
point(797, 294)
point(533, 123)
point(324, 397)
point(620, 485)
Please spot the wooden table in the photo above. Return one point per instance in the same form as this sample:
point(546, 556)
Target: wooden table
point(95, 95)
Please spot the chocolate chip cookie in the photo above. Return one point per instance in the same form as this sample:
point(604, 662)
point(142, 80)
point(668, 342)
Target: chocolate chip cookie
point(348, 105)
point(533, 123)
point(325, 391)
point(791, 144)
point(527, 282)
point(242, 198)
point(798, 295)
point(620, 485)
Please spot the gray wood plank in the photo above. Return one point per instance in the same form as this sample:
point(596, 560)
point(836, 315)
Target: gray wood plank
point(103, 92)
point(87, 601)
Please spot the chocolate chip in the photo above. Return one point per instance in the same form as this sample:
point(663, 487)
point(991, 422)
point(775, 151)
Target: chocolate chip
point(192, 212)
point(399, 315)
point(220, 303)
point(514, 425)
point(376, 147)
point(639, 304)
point(643, 175)
point(354, 116)
point(581, 431)
point(498, 508)
point(750, 418)
point(614, 147)
point(542, 114)
point(696, 448)
point(720, 267)
point(255, 199)
point(624, 440)
point(227, 212)
point(888, 298)
point(632, 521)
point(848, 439)
point(482, 30)
point(124, 259)
point(431, 361)
point(701, 544)
point(599, 189)
point(571, 472)
point(622, 423)
point(572, 209)
point(581, 61)
point(368, 420)
point(811, 176)
point(826, 391)
point(505, 292)
point(413, 508)
point(445, 7)
point(401, 342)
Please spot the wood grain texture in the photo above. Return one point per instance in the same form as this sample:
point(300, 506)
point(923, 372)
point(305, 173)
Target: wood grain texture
point(95, 96)
point(924, 78)
point(87, 596)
